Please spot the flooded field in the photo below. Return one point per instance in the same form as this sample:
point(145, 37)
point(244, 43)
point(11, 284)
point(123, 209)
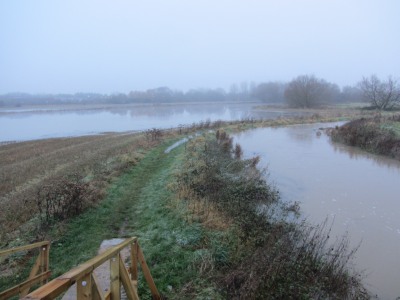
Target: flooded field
point(47, 122)
point(358, 191)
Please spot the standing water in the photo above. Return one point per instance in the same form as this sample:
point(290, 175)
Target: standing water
point(359, 191)
point(29, 124)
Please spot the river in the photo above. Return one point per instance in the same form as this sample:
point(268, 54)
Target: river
point(358, 191)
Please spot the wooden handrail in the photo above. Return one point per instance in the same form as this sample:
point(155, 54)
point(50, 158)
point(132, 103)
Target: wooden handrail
point(23, 248)
point(87, 286)
point(24, 285)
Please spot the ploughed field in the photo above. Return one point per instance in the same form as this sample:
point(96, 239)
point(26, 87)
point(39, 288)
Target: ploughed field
point(85, 164)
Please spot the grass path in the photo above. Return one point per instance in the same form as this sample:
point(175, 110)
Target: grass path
point(137, 205)
point(84, 234)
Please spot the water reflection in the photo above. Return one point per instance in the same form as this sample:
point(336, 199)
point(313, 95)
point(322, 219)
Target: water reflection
point(81, 120)
point(356, 154)
point(25, 125)
point(356, 189)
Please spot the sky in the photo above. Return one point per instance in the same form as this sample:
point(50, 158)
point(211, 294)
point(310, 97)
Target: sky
point(104, 46)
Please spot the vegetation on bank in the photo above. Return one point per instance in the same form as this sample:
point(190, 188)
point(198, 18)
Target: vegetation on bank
point(262, 254)
point(379, 134)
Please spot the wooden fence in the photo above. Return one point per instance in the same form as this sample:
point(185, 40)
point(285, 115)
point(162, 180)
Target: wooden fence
point(39, 274)
point(87, 285)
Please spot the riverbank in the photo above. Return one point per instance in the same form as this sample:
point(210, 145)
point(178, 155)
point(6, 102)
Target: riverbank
point(378, 135)
point(263, 255)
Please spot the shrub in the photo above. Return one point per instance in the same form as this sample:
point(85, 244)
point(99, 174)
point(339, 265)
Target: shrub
point(61, 199)
point(370, 135)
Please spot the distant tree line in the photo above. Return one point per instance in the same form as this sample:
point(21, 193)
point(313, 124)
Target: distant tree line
point(304, 91)
point(236, 93)
point(307, 91)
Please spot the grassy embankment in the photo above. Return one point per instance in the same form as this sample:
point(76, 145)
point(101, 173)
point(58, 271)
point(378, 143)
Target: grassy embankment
point(379, 135)
point(188, 248)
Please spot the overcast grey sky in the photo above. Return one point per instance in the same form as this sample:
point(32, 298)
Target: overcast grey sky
point(116, 46)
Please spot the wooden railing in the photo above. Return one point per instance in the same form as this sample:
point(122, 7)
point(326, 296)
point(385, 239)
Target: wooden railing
point(87, 285)
point(39, 274)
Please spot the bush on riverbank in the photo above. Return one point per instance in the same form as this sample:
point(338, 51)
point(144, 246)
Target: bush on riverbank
point(263, 255)
point(379, 135)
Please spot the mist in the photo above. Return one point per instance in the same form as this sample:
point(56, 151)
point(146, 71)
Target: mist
point(109, 47)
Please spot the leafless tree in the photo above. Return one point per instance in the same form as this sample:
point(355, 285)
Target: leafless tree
point(307, 91)
point(381, 94)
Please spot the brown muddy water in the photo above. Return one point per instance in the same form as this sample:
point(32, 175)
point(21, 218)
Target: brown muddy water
point(360, 192)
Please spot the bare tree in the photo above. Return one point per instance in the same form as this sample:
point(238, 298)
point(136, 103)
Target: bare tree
point(381, 94)
point(308, 91)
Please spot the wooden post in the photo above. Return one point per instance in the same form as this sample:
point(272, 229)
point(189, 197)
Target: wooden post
point(134, 264)
point(44, 259)
point(84, 287)
point(96, 292)
point(130, 290)
point(147, 275)
point(115, 284)
point(32, 274)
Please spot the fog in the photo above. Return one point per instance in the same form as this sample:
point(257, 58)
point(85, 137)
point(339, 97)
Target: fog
point(118, 46)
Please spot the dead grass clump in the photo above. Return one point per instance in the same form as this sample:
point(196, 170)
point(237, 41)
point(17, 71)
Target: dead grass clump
point(297, 263)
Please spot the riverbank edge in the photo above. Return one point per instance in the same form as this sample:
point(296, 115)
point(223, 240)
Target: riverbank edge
point(377, 135)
